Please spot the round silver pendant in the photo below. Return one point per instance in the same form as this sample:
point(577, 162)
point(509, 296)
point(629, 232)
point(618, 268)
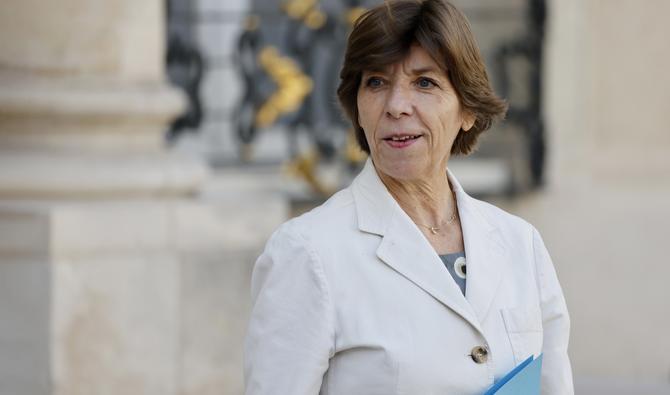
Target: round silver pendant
point(459, 267)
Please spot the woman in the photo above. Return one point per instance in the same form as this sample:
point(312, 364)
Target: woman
point(402, 283)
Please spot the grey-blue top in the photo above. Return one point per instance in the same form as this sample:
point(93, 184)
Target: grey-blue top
point(455, 263)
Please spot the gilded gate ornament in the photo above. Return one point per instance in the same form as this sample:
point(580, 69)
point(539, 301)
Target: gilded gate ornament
point(292, 86)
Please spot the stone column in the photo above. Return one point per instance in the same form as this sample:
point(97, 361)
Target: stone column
point(90, 200)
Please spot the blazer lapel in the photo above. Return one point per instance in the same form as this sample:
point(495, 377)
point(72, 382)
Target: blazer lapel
point(403, 247)
point(486, 254)
point(407, 251)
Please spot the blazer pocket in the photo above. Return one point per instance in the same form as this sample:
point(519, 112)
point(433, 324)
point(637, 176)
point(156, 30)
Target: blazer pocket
point(524, 329)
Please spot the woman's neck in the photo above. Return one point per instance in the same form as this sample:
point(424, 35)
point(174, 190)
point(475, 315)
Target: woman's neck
point(428, 202)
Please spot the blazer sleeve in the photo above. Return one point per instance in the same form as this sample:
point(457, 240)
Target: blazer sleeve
point(556, 369)
point(290, 335)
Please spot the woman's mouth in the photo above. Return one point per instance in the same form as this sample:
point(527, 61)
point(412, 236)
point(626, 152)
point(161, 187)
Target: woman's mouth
point(401, 141)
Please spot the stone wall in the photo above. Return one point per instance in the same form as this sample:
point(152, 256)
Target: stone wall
point(122, 269)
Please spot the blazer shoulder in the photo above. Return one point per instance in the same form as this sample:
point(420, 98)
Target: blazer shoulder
point(334, 215)
point(503, 220)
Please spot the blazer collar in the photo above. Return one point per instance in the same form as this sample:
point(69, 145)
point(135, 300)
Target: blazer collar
point(404, 248)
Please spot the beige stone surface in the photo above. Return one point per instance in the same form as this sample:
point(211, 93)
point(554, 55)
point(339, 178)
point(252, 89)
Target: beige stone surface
point(24, 326)
point(114, 322)
point(219, 243)
point(130, 296)
point(115, 38)
point(106, 314)
point(90, 201)
point(57, 176)
point(84, 103)
point(215, 304)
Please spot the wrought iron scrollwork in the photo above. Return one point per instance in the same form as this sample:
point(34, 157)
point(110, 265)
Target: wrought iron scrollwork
point(299, 56)
point(312, 35)
point(290, 70)
point(185, 68)
point(529, 117)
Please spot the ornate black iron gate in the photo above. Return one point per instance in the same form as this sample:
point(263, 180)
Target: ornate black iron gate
point(288, 57)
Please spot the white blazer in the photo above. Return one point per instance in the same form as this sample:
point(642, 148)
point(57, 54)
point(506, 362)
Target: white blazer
point(351, 299)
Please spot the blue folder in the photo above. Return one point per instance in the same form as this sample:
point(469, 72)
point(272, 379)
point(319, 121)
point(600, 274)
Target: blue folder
point(522, 380)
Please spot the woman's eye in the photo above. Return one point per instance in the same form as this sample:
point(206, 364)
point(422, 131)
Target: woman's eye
point(425, 83)
point(374, 82)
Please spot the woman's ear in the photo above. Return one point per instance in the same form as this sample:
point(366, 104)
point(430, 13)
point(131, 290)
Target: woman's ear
point(468, 121)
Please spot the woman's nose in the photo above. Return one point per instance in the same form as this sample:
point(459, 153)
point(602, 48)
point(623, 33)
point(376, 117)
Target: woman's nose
point(399, 102)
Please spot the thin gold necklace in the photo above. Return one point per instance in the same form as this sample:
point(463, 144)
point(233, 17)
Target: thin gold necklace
point(436, 229)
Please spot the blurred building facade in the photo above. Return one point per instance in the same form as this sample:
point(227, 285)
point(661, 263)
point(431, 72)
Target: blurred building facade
point(88, 270)
point(107, 241)
point(125, 269)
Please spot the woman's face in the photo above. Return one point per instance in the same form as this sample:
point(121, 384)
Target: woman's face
point(411, 115)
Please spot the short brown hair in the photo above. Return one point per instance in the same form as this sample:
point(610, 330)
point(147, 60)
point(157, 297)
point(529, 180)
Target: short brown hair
point(383, 36)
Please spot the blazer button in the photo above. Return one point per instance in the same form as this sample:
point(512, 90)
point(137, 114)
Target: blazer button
point(480, 354)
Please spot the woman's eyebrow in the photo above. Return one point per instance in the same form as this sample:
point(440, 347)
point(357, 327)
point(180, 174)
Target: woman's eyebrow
point(376, 70)
point(425, 70)
point(415, 71)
